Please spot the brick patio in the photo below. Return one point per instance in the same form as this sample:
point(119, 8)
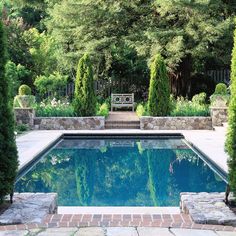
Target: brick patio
point(127, 220)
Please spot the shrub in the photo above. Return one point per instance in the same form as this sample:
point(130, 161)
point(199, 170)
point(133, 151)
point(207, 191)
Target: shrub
point(84, 99)
point(231, 134)
point(196, 107)
point(142, 110)
point(21, 128)
point(24, 90)
point(221, 89)
point(159, 89)
point(8, 151)
point(103, 110)
point(54, 108)
point(50, 84)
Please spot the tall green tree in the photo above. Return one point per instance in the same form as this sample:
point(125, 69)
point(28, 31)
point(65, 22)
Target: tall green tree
point(231, 135)
point(191, 35)
point(159, 90)
point(8, 151)
point(84, 100)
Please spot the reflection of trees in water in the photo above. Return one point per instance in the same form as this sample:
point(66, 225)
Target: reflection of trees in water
point(51, 174)
point(84, 172)
point(193, 175)
point(161, 182)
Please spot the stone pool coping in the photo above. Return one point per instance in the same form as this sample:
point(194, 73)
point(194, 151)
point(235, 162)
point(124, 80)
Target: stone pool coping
point(209, 142)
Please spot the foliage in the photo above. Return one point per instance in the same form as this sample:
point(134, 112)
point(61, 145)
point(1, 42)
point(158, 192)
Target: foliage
point(42, 50)
point(103, 110)
point(17, 74)
point(21, 128)
point(231, 134)
point(51, 83)
point(84, 99)
point(8, 151)
point(159, 90)
point(142, 110)
point(221, 89)
point(24, 90)
point(192, 35)
point(54, 108)
point(196, 107)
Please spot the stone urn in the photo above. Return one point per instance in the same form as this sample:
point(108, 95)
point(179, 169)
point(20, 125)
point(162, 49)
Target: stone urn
point(24, 101)
point(219, 100)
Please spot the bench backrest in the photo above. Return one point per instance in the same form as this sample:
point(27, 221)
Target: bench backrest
point(118, 98)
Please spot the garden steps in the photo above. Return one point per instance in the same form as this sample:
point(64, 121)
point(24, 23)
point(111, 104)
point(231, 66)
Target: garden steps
point(122, 120)
point(122, 124)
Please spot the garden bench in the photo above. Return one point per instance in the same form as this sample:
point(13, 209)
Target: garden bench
point(122, 100)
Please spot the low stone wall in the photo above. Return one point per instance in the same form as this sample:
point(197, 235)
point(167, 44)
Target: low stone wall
point(29, 208)
point(219, 115)
point(24, 116)
point(69, 123)
point(207, 208)
point(175, 123)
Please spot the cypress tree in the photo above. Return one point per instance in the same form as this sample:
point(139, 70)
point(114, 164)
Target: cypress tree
point(159, 89)
point(231, 134)
point(8, 151)
point(84, 100)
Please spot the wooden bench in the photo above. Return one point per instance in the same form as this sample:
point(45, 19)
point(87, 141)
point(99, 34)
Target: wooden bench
point(122, 100)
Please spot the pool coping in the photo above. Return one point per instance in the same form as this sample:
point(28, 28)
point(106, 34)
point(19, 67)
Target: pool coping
point(114, 210)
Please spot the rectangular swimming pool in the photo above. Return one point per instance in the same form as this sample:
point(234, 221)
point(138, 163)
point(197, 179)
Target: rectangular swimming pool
point(121, 171)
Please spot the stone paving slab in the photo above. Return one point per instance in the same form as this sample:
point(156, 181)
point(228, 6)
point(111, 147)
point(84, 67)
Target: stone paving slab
point(58, 232)
point(116, 231)
point(144, 231)
point(121, 231)
point(225, 233)
point(90, 231)
point(14, 233)
point(191, 232)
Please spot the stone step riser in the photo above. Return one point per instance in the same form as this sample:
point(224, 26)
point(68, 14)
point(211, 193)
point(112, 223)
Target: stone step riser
point(122, 122)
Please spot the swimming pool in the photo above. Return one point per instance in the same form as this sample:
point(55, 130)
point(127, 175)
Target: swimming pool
point(121, 171)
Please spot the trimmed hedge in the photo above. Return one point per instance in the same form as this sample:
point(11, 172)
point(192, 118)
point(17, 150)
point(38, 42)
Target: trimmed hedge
point(84, 100)
point(159, 89)
point(231, 135)
point(8, 151)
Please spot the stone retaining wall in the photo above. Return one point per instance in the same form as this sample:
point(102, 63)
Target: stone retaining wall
point(219, 115)
point(69, 123)
point(175, 123)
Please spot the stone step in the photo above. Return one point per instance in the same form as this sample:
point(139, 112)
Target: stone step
point(122, 122)
point(122, 126)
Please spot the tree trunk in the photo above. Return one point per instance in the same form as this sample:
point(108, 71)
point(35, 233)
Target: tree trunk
point(180, 81)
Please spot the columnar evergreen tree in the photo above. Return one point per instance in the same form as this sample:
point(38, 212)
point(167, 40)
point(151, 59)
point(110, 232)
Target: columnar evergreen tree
point(8, 151)
point(231, 135)
point(84, 100)
point(159, 89)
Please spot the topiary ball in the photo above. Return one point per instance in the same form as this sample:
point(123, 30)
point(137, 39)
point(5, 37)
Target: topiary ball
point(221, 89)
point(24, 90)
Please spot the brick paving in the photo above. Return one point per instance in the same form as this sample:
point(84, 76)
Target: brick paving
point(126, 220)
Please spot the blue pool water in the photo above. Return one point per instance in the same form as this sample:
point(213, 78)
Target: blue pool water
point(120, 172)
